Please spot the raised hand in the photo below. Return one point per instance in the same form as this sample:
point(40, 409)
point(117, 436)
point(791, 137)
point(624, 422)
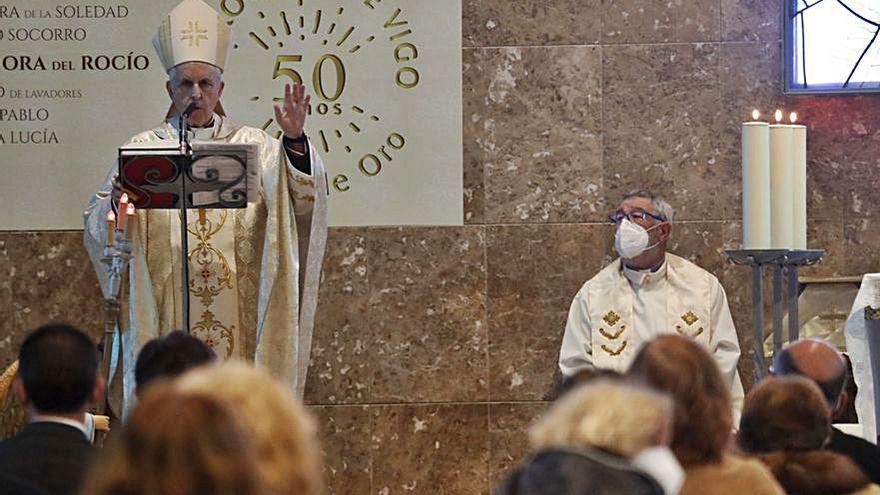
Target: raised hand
point(291, 115)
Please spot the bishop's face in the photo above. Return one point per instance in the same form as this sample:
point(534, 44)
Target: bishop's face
point(195, 82)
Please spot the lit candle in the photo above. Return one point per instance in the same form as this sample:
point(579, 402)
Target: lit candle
point(781, 185)
point(111, 226)
point(756, 183)
point(123, 207)
point(129, 226)
point(799, 182)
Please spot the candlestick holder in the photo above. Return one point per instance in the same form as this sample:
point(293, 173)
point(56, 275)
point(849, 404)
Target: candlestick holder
point(781, 260)
point(116, 258)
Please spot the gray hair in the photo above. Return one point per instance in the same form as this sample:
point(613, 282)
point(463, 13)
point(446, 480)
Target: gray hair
point(173, 72)
point(617, 417)
point(660, 205)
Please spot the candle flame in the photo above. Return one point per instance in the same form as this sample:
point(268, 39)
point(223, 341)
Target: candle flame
point(778, 115)
point(123, 198)
point(130, 209)
point(793, 117)
point(756, 114)
point(111, 217)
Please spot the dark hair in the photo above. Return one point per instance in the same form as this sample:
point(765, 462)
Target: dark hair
point(784, 413)
point(58, 364)
point(689, 374)
point(785, 364)
point(169, 356)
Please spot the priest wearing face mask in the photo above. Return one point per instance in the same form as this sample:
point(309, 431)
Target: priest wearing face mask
point(645, 293)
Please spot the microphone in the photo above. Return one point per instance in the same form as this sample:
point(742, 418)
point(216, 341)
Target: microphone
point(189, 109)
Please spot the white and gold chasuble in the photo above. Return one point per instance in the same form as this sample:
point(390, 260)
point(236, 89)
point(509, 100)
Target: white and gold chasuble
point(619, 310)
point(253, 272)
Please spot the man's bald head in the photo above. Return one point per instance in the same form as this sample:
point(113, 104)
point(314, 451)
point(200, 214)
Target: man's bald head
point(816, 360)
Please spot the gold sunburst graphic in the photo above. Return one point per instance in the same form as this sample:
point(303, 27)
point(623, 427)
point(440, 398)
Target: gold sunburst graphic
point(327, 46)
point(341, 41)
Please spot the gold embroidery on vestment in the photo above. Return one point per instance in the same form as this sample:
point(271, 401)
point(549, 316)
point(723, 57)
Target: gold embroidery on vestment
point(615, 353)
point(690, 318)
point(611, 318)
point(609, 335)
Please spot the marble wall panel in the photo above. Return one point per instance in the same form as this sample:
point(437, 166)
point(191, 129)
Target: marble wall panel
point(534, 273)
point(427, 311)
point(53, 280)
point(430, 449)
point(344, 434)
point(9, 338)
point(843, 136)
point(637, 21)
point(508, 435)
point(533, 127)
point(862, 236)
point(474, 131)
point(341, 365)
point(662, 113)
point(751, 20)
point(531, 22)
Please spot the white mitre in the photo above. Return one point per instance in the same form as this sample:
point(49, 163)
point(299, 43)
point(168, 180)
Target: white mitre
point(193, 32)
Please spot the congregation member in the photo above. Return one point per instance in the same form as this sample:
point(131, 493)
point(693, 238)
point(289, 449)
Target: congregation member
point(827, 367)
point(254, 271)
point(645, 293)
point(786, 422)
point(703, 422)
point(178, 443)
point(57, 382)
point(283, 433)
point(601, 438)
point(169, 356)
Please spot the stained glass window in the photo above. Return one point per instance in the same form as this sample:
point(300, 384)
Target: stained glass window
point(832, 46)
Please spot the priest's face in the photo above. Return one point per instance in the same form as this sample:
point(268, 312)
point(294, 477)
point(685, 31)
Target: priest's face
point(196, 82)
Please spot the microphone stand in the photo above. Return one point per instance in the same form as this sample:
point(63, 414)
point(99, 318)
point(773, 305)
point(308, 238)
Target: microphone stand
point(186, 153)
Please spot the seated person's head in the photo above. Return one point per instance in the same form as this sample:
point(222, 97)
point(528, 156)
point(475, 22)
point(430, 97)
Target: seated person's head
point(179, 443)
point(784, 413)
point(169, 356)
point(687, 372)
point(619, 418)
point(584, 376)
point(58, 371)
point(282, 431)
point(820, 362)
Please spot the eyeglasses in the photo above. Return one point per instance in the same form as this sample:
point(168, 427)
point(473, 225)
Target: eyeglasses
point(634, 215)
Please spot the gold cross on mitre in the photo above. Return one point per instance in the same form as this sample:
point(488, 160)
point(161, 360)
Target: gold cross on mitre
point(193, 33)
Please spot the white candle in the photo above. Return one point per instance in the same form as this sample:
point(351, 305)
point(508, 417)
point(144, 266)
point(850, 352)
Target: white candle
point(756, 183)
point(799, 183)
point(111, 226)
point(123, 206)
point(129, 225)
point(781, 185)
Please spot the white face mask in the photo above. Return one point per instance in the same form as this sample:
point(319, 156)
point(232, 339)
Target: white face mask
point(660, 463)
point(632, 239)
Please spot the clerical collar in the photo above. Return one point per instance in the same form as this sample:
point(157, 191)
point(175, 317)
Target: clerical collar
point(205, 133)
point(640, 278)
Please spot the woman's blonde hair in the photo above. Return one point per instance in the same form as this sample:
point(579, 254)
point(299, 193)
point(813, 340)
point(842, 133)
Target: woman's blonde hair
point(282, 431)
point(178, 443)
point(615, 417)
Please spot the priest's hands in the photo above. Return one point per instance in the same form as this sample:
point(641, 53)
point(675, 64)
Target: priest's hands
point(291, 115)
